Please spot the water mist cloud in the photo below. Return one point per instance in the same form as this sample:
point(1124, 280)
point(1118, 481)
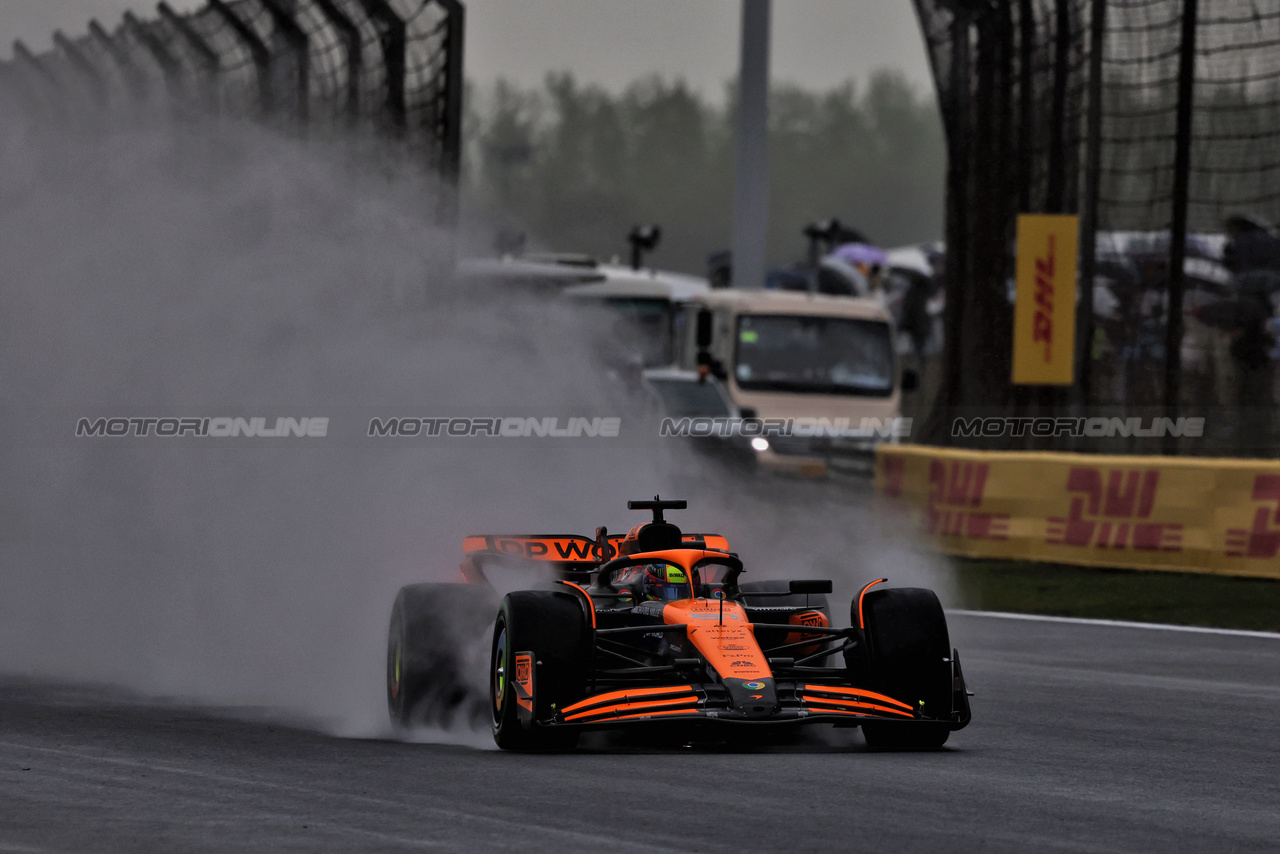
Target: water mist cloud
point(215, 267)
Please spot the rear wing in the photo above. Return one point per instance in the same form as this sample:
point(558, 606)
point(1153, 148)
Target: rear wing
point(558, 548)
point(570, 553)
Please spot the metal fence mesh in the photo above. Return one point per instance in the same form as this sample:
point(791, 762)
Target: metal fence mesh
point(1237, 132)
point(1016, 83)
point(426, 68)
point(393, 66)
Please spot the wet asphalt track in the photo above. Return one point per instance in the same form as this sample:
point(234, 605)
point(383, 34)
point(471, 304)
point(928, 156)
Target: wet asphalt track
point(1085, 738)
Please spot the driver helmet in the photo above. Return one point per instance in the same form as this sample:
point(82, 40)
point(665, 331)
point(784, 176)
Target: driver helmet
point(665, 582)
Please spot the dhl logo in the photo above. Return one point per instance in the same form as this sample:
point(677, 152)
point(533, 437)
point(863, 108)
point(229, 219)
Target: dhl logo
point(1042, 322)
point(955, 490)
point(1110, 511)
point(1263, 539)
point(1044, 311)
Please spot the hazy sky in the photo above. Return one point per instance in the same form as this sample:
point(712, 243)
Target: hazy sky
point(817, 43)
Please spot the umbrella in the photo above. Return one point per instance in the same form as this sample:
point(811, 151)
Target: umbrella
point(913, 259)
point(1243, 222)
point(861, 253)
point(1233, 314)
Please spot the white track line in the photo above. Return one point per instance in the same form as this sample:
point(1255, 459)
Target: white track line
point(1124, 624)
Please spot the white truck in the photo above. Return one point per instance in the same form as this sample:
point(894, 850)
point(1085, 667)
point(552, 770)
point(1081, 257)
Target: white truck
point(647, 301)
point(810, 383)
point(814, 378)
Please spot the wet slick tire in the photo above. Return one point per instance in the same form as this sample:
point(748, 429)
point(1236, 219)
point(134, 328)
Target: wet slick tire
point(910, 653)
point(553, 627)
point(435, 632)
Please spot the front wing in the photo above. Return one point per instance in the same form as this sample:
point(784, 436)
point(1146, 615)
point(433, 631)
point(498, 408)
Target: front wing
point(798, 702)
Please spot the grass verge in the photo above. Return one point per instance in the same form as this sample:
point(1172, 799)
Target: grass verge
point(1188, 599)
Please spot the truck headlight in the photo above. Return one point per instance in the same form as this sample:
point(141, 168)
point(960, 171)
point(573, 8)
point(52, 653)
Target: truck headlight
point(760, 443)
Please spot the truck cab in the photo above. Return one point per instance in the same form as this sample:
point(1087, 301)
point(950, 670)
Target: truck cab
point(645, 302)
point(814, 377)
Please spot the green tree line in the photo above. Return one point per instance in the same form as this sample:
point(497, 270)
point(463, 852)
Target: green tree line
point(573, 167)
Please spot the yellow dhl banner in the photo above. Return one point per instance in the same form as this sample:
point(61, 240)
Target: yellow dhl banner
point(1044, 313)
point(1185, 515)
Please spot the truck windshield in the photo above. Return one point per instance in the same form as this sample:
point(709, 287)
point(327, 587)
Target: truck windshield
point(814, 355)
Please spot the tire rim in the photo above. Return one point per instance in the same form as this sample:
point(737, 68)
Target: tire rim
point(395, 673)
point(395, 659)
point(499, 673)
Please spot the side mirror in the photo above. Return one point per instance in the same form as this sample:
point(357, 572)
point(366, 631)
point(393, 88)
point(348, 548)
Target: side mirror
point(704, 329)
point(910, 380)
point(605, 550)
point(807, 588)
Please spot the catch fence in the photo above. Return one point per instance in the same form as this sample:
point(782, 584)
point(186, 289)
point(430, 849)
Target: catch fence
point(393, 67)
point(1158, 122)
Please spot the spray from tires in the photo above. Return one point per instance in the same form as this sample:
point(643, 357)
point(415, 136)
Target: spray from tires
point(219, 267)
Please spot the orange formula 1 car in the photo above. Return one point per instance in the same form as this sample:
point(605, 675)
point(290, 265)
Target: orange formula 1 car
point(655, 628)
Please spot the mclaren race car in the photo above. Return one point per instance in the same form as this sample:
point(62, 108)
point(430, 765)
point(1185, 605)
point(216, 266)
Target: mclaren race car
point(655, 627)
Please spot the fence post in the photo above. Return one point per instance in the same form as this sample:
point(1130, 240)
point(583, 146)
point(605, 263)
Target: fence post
point(208, 56)
point(355, 54)
point(169, 66)
point(132, 76)
point(959, 169)
point(1092, 187)
point(257, 50)
point(1178, 227)
point(19, 89)
point(30, 60)
point(454, 88)
point(47, 87)
point(1026, 101)
point(81, 63)
point(8, 86)
point(301, 47)
point(395, 56)
point(1056, 195)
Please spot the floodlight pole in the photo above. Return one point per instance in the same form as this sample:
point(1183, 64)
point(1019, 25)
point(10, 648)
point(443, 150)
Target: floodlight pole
point(751, 165)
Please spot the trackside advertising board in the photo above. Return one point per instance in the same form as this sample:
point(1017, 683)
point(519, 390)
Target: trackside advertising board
point(1141, 512)
point(1044, 312)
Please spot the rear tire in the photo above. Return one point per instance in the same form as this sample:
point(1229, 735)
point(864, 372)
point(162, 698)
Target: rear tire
point(435, 654)
point(552, 626)
point(909, 651)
